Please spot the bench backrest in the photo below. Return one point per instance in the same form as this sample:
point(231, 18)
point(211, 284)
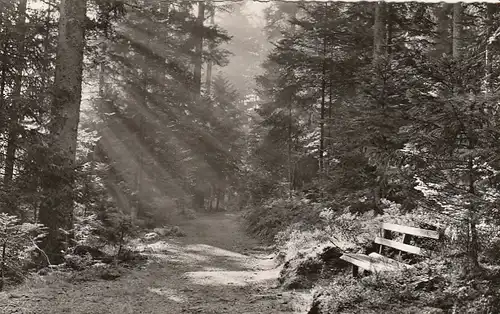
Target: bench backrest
point(407, 231)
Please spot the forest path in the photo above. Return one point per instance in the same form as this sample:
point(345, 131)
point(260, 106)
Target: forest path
point(216, 268)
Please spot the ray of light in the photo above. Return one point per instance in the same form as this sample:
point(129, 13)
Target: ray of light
point(123, 145)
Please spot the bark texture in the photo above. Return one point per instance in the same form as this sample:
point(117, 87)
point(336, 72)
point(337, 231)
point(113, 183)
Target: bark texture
point(56, 212)
point(198, 62)
point(379, 32)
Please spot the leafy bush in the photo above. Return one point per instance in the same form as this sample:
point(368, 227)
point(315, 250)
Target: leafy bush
point(85, 230)
point(18, 242)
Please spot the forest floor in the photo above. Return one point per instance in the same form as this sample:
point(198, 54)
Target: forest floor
point(216, 268)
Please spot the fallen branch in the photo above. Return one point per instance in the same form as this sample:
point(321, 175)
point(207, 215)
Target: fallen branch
point(335, 244)
point(41, 251)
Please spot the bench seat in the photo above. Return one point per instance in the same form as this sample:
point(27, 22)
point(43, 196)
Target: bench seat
point(374, 262)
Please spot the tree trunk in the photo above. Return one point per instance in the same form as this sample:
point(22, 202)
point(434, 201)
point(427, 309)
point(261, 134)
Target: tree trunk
point(473, 241)
point(46, 53)
point(15, 107)
point(198, 62)
point(3, 79)
point(138, 208)
point(3, 72)
point(2, 265)
point(330, 122)
point(290, 124)
point(379, 52)
point(389, 28)
point(293, 15)
point(488, 81)
point(211, 48)
point(457, 29)
point(289, 150)
point(3, 84)
point(198, 199)
point(56, 212)
point(443, 45)
point(211, 198)
point(217, 199)
point(379, 32)
point(322, 112)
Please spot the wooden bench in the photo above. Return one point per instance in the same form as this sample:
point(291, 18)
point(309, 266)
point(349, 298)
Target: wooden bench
point(376, 262)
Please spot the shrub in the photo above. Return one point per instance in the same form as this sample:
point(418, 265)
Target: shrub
point(77, 262)
point(18, 242)
point(115, 228)
point(268, 220)
point(432, 287)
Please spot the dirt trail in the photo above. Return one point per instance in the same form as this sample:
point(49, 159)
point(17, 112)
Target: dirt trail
point(215, 269)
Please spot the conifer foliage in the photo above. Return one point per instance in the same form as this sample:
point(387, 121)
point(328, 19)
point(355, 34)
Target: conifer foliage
point(106, 124)
point(390, 101)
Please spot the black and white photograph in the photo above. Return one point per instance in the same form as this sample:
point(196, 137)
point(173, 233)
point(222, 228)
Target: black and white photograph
point(249, 157)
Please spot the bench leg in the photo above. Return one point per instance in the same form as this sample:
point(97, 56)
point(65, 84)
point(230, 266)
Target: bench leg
point(355, 271)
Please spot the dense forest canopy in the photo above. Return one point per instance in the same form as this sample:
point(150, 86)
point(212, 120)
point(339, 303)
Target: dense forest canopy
point(116, 116)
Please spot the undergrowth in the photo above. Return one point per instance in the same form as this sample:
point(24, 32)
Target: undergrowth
point(433, 287)
point(268, 220)
point(439, 284)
